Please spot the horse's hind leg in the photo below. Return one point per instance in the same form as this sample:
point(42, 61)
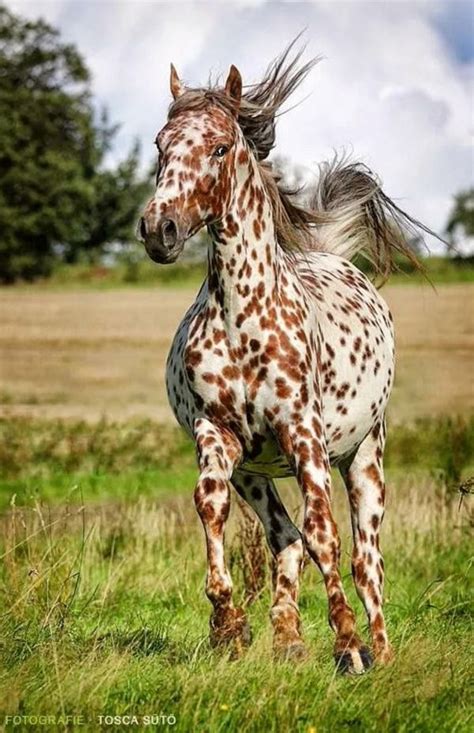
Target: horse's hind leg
point(306, 447)
point(364, 479)
point(218, 452)
point(286, 545)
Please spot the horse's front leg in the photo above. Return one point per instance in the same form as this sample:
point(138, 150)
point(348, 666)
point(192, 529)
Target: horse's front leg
point(306, 445)
point(218, 453)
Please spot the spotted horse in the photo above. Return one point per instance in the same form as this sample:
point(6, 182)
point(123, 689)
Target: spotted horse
point(284, 364)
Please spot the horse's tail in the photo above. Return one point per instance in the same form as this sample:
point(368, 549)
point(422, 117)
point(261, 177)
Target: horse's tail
point(358, 218)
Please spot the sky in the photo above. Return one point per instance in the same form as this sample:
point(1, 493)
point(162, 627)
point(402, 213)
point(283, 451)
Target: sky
point(394, 86)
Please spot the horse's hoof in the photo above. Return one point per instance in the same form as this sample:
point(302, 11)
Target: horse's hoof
point(238, 646)
point(294, 652)
point(230, 630)
point(241, 642)
point(353, 661)
point(383, 655)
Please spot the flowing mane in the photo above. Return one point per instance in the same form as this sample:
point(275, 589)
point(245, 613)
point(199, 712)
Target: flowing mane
point(347, 213)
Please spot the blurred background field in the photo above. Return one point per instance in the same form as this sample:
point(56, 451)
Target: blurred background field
point(85, 352)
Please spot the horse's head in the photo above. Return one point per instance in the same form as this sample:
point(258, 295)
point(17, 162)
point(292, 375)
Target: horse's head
point(201, 149)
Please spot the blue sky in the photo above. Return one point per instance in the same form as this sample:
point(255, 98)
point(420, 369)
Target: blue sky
point(455, 22)
point(395, 84)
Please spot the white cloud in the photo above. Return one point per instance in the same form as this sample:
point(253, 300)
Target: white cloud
point(389, 87)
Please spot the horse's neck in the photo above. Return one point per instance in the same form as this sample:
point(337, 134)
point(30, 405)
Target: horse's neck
point(243, 257)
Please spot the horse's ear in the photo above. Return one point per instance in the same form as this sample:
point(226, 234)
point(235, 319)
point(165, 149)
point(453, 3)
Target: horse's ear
point(233, 85)
point(176, 87)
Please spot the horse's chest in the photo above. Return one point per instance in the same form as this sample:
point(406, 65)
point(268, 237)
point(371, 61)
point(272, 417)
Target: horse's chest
point(242, 383)
point(221, 382)
point(203, 374)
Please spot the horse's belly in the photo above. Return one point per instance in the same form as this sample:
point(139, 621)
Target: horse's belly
point(269, 461)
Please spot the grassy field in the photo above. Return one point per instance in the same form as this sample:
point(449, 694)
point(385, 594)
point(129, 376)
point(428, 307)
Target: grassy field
point(103, 610)
point(89, 353)
point(137, 270)
point(103, 563)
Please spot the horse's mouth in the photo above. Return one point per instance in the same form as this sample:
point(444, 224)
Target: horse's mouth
point(161, 254)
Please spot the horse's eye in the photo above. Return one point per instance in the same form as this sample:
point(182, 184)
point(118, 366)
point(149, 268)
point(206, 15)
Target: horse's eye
point(220, 151)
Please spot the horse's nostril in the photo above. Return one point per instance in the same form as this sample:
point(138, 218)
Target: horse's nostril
point(169, 227)
point(142, 228)
point(169, 232)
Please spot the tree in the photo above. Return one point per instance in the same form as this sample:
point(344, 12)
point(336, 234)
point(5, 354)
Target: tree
point(56, 197)
point(461, 217)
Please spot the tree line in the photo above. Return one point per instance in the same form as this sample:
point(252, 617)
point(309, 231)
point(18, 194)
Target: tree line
point(58, 201)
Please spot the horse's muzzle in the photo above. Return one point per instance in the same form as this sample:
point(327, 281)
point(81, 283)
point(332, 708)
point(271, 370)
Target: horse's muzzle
point(164, 242)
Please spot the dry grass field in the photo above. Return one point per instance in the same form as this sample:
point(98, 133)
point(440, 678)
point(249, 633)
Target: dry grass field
point(88, 353)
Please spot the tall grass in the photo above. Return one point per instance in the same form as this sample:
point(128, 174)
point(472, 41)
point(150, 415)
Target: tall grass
point(109, 460)
point(103, 609)
point(103, 612)
point(47, 447)
point(444, 446)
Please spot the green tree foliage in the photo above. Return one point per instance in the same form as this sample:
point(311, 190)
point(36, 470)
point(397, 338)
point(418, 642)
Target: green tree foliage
point(57, 199)
point(462, 215)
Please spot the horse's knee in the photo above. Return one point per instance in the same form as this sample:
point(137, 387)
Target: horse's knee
point(212, 500)
point(323, 545)
point(219, 589)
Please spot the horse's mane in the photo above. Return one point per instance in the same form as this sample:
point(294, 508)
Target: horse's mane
point(348, 213)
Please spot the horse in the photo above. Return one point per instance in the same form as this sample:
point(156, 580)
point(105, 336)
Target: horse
point(284, 364)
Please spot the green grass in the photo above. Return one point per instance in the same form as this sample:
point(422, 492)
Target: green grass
point(103, 609)
point(66, 460)
point(143, 272)
point(97, 487)
point(105, 613)
point(32, 447)
point(440, 270)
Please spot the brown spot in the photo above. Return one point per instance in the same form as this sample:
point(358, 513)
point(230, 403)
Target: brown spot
point(282, 389)
point(242, 157)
